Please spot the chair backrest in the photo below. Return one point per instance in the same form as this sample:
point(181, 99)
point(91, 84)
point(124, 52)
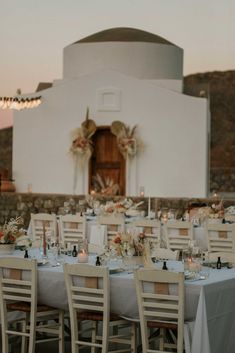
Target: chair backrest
point(41, 222)
point(220, 237)
point(88, 290)
point(150, 227)
point(157, 304)
point(114, 225)
point(72, 229)
point(178, 234)
point(18, 283)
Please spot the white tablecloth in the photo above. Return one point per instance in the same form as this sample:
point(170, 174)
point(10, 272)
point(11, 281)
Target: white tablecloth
point(210, 303)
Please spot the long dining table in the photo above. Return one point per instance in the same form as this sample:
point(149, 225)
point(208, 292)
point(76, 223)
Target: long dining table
point(209, 303)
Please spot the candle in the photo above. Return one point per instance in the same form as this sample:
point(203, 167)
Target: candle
point(29, 188)
point(142, 191)
point(149, 207)
point(44, 243)
point(82, 257)
point(164, 218)
point(191, 265)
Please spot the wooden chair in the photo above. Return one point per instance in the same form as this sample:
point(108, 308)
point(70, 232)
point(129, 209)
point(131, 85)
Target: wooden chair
point(151, 229)
point(89, 299)
point(41, 222)
point(160, 312)
point(72, 229)
point(221, 241)
point(18, 292)
point(178, 234)
point(114, 225)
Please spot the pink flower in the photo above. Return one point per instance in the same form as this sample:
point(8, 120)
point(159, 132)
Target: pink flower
point(117, 239)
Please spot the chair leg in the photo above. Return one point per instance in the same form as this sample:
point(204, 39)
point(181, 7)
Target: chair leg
point(24, 340)
point(32, 337)
point(5, 344)
point(105, 337)
point(162, 336)
point(133, 338)
point(61, 332)
point(94, 330)
point(74, 333)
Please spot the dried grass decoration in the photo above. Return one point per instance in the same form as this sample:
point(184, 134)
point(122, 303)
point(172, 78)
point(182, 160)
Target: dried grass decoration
point(126, 139)
point(81, 138)
point(105, 185)
point(82, 146)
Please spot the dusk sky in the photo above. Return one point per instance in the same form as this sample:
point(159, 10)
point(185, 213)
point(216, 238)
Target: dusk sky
point(34, 32)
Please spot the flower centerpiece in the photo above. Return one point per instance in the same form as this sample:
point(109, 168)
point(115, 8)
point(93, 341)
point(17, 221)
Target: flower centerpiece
point(139, 244)
point(121, 206)
point(123, 244)
point(12, 233)
point(128, 244)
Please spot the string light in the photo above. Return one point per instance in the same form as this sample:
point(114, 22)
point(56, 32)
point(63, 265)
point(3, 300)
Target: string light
point(19, 103)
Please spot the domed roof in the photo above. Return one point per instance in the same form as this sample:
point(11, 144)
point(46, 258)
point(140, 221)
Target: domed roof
point(123, 34)
point(130, 51)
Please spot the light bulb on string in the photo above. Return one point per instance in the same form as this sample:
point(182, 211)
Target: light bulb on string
point(19, 103)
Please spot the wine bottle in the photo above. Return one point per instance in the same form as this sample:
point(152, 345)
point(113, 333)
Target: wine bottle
point(74, 252)
point(164, 267)
point(26, 255)
point(98, 263)
point(218, 264)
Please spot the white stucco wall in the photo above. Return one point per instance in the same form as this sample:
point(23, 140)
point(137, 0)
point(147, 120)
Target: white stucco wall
point(138, 59)
point(172, 126)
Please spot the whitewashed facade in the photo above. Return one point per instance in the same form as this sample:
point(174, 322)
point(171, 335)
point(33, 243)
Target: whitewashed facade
point(135, 82)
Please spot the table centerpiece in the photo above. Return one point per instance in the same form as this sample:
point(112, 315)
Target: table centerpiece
point(12, 233)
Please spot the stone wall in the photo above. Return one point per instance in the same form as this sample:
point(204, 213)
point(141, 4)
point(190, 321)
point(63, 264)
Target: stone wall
point(14, 204)
point(222, 179)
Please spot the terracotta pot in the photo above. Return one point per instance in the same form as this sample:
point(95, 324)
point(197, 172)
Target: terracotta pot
point(7, 186)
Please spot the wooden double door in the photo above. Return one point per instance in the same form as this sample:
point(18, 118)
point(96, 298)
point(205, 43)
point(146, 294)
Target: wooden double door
point(106, 160)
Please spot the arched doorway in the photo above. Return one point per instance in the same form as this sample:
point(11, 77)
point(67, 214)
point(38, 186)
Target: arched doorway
point(106, 161)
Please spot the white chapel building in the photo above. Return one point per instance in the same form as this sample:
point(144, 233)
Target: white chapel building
point(122, 74)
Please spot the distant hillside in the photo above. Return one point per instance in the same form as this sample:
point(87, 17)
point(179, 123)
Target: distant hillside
point(219, 87)
point(221, 92)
